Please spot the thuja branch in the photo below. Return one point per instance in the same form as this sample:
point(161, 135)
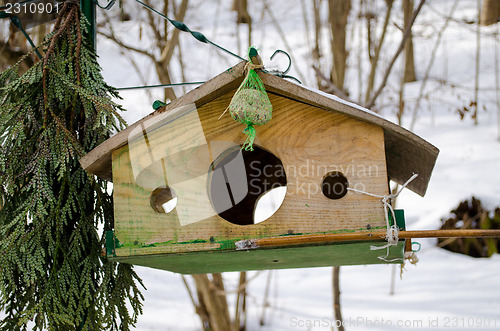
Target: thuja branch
point(53, 272)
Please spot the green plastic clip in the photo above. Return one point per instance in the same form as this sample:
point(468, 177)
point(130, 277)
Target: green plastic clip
point(110, 243)
point(400, 219)
point(158, 104)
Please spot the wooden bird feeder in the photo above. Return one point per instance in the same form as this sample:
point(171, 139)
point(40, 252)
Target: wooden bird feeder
point(185, 192)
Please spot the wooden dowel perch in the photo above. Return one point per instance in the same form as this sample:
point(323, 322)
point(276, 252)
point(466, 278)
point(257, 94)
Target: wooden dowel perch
point(360, 236)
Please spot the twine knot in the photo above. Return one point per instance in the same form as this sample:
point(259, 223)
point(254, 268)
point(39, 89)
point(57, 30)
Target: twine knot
point(391, 235)
point(251, 66)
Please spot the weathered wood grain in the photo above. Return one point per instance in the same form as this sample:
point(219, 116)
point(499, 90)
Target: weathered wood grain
point(309, 141)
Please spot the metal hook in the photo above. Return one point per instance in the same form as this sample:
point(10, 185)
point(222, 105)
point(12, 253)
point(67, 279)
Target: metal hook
point(282, 74)
point(107, 7)
point(289, 60)
point(291, 77)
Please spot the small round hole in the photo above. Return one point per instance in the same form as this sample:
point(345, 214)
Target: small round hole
point(163, 200)
point(334, 185)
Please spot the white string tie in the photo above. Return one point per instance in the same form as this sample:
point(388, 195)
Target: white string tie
point(392, 230)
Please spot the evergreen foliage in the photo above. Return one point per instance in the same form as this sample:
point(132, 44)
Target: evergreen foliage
point(53, 269)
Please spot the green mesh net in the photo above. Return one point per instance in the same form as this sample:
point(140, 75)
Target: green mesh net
point(250, 105)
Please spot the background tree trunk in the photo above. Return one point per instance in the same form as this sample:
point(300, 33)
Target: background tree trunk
point(339, 13)
point(241, 8)
point(409, 73)
point(243, 17)
point(490, 14)
point(212, 302)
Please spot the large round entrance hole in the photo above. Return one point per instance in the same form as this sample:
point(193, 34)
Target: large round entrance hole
point(334, 185)
point(246, 187)
point(163, 200)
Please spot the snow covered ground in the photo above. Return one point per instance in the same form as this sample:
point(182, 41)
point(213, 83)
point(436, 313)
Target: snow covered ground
point(444, 291)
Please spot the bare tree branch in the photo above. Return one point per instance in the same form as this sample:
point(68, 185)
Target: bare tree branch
point(406, 35)
point(332, 88)
point(377, 49)
point(429, 65)
point(338, 16)
point(282, 35)
point(160, 40)
point(478, 55)
point(173, 41)
point(130, 48)
point(112, 36)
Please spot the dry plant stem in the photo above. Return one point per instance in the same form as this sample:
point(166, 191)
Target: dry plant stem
point(306, 23)
point(238, 38)
point(189, 290)
point(283, 37)
point(369, 29)
point(378, 48)
point(401, 106)
point(249, 34)
point(152, 24)
point(173, 41)
point(337, 311)
point(406, 35)
point(181, 65)
point(316, 52)
point(497, 82)
point(393, 280)
point(111, 36)
point(478, 58)
point(166, 3)
point(429, 66)
point(166, 44)
point(244, 310)
point(239, 288)
point(360, 56)
point(240, 298)
point(78, 50)
point(265, 302)
point(162, 64)
point(378, 235)
point(138, 70)
point(201, 312)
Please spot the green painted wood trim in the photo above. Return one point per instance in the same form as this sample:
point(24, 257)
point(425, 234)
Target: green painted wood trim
point(400, 219)
point(199, 245)
point(351, 253)
point(110, 244)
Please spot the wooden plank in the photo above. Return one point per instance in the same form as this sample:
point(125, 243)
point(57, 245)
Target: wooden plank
point(281, 258)
point(361, 236)
point(406, 152)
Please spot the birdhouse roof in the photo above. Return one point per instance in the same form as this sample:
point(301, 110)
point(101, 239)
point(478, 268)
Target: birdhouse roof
point(406, 153)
